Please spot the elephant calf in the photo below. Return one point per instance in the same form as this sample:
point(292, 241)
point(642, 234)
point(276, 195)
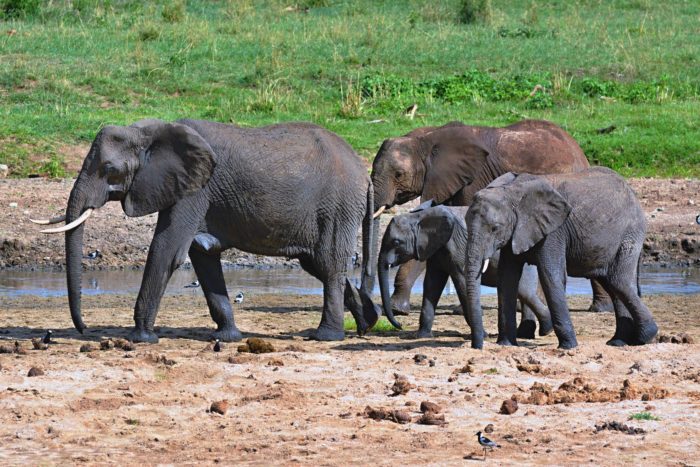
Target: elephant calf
point(586, 224)
point(438, 235)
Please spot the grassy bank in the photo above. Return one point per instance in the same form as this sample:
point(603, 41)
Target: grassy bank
point(67, 68)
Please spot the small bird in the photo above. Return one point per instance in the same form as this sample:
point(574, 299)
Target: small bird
point(217, 346)
point(192, 285)
point(47, 337)
point(94, 255)
point(238, 298)
point(486, 443)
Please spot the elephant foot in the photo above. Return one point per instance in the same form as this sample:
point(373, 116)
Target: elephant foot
point(400, 306)
point(526, 330)
point(363, 310)
point(231, 334)
point(546, 328)
point(324, 333)
point(601, 306)
point(616, 342)
point(478, 339)
point(142, 335)
point(424, 334)
point(458, 311)
point(566, 344)
point(646, 332)
point(507, 342)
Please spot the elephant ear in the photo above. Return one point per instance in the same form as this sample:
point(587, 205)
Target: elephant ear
point(452, 164)
point(433, 232)
point(424, 205)
point(541, 211)
point(176, 163)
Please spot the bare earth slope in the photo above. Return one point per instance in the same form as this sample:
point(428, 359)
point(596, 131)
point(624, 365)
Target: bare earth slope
point(673, 236)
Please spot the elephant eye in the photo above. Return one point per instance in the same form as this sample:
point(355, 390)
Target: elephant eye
point(396, 242)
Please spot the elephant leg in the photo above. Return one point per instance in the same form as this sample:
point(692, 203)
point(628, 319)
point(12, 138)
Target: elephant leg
point(532, 307)
point(509, 273)
point(624, 323)
point(403, 283)
point(553, 280)
point(211, 278)
point(602, 302)
point(623, 285)
point(331, 327)
point(433, 285)
point(171, 242)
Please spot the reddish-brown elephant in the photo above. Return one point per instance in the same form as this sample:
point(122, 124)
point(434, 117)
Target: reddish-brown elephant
point(449, 164)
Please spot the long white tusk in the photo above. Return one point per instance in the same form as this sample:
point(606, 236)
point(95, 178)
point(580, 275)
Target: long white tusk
point(72, 225)
point(486, 266)
point(53, 220)
point(379, 212)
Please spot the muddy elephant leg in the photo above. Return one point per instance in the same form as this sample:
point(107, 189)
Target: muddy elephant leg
point(602, 302)
point(433, 285)
point(553, 281)
point(533, 310)
point(211, 277)
point(406, 276)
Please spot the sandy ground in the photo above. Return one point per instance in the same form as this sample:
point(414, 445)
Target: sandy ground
point(306, 402)
point(673, 237)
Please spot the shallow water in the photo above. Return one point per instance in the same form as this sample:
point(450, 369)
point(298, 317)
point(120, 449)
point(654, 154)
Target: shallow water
point(286, 281)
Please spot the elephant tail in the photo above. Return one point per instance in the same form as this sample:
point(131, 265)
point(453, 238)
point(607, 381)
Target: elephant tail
point(369, 235)
point(639, 267)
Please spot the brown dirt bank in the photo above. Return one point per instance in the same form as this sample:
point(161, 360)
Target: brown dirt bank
point(306, 402)
point(673, 237)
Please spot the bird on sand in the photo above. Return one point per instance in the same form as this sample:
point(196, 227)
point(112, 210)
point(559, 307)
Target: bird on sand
point(47, 337)
point(192, 285)
point(94, 255)
point(217, 346)
point(238, 298)
point(486, 443)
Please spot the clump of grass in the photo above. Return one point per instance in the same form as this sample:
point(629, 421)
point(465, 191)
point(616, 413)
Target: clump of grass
point(133, 422)
point(12, 9)
point(174, 12)
point(492, 371)
point(149, 32)
point(644, 416)
point(383, 325)
point(54, 167)
point(475, 11)
point(352, 102)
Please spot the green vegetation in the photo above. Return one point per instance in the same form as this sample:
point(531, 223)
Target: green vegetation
point(69, 68)
point(383, 325)
point(644, 416)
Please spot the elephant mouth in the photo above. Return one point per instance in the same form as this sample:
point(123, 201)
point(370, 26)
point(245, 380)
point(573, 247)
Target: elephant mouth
point(116, 193)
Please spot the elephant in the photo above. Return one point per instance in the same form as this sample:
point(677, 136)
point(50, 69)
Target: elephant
point(449, 164)
point(438, 236)
point(292, 189)
point(586, 224)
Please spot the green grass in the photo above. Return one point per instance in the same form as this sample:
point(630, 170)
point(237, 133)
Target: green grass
point(383, 325)
point(644, 416)
point(68, 68)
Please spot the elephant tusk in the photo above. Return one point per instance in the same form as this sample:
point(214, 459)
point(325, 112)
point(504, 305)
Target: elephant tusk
point(379, 212)
point(53, 220)
point(72, 225)
point(486, 266)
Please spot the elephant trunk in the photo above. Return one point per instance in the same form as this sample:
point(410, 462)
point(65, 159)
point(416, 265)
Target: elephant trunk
point(74, 255)
point(370, 241)
point(472, 273)
point(383, 268)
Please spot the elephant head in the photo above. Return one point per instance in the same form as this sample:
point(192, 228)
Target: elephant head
point(416, 235)
point(515, 210)
point(148, 166)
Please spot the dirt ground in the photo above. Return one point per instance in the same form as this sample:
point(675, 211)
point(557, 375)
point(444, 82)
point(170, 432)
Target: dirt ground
point(671, 205)
point(307, 402)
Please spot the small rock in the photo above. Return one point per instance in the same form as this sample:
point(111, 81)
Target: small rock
point(488, 428)
point(256, 345)
point(686, 339)
point(509, 407)
point(38, 344)
point(427, 406)
point(4, 170)
point(401, 385)
point(430, 418)
point(431, 362)
point(86, 348)
point(396, 416)
point(420, 359)
point(19, 349)
point(106, 344)
point(34, 371)
point(13, 205)
point(220, 407)
point(124, 345)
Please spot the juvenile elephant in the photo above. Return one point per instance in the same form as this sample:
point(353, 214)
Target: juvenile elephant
point(586, 224)
point(294, 190)
point(448, 164)
point(438, 235)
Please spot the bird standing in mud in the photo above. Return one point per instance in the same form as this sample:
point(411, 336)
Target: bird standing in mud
point(192, 285)
point(238, 298)
point(47, 337)
point(486, 443)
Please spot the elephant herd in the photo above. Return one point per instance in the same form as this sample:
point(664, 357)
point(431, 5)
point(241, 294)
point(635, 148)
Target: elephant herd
point(511, 207)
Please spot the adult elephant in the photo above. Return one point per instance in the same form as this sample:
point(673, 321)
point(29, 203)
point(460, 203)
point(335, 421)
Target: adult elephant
point(449, 164)
point(294, 190)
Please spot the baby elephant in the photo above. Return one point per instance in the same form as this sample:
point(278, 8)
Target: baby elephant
point(438, 235)
point(586, 224)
